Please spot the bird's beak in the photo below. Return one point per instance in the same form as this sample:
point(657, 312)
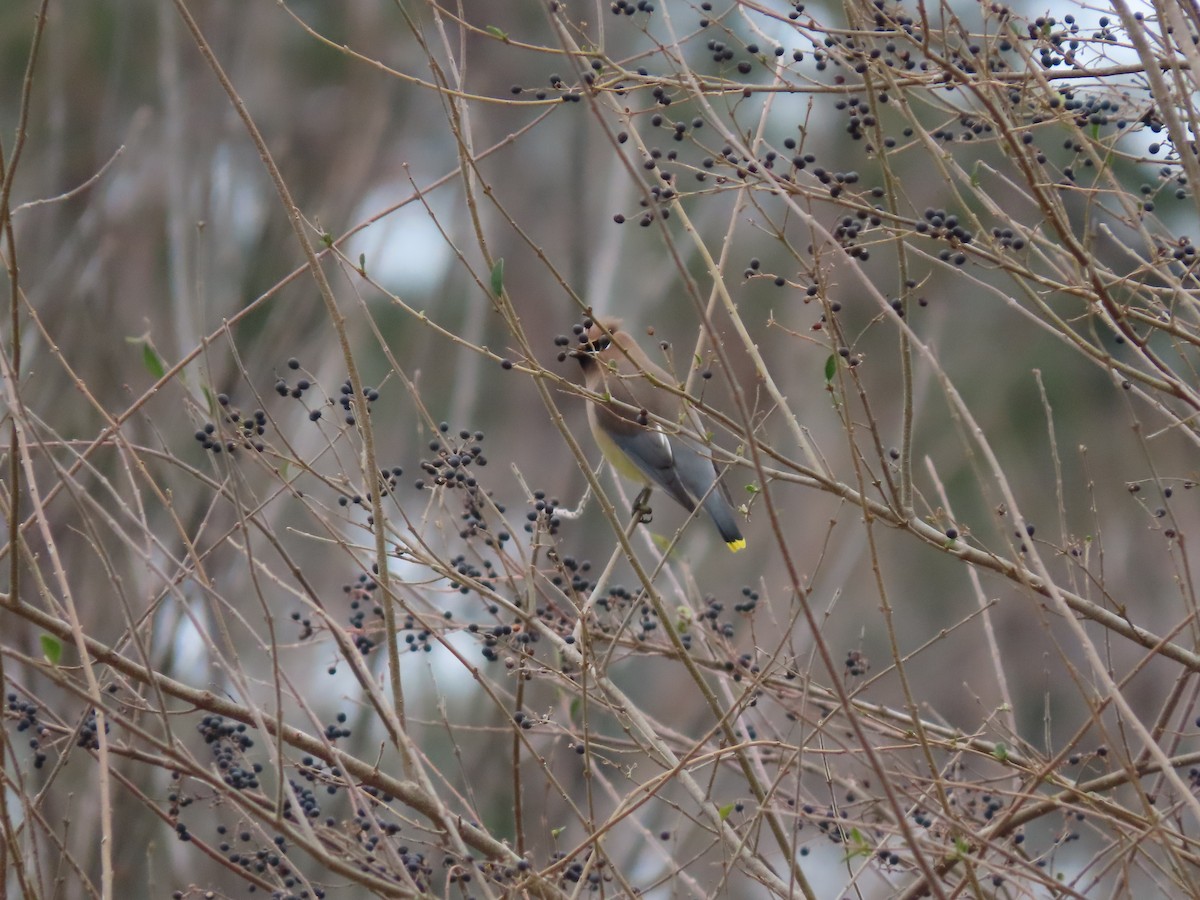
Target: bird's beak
point(590, 350)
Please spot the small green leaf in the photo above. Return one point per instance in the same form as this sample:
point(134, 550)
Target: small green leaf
point(496, 32)
point(51, 649)
point(362, 264)
point(856, 844)
point(498, 277)
point(830, 368)
point(151, 361)
point(1000, 752)
point(150, 358)
point(327, 239)
point(725, 810)
point(753, 488)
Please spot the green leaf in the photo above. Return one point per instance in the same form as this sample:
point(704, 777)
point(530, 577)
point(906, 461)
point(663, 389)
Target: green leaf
point(725, 810)
point(150, 358)
point(1000, 752)
point(151, 361)
point(498, 277)
point(856, 844)
point(830, 368)
point(496, 32)
point(51, 649)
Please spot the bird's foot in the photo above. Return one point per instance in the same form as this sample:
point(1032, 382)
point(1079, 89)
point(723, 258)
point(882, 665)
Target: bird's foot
point(641, 508)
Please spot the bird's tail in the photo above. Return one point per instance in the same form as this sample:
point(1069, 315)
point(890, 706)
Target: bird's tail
point(719, 508)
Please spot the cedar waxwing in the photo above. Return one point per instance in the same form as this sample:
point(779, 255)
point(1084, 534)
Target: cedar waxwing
point(638, 447)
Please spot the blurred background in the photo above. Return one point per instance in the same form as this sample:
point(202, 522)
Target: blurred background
point(148, 232)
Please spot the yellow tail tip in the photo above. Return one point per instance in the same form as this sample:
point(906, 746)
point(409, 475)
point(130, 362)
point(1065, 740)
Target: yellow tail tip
point(735, 546)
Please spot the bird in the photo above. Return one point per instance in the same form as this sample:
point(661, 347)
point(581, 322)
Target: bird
point(629, 427)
